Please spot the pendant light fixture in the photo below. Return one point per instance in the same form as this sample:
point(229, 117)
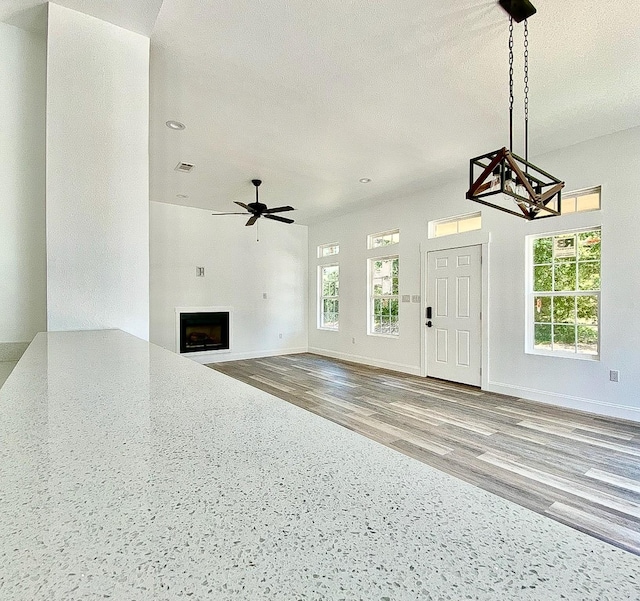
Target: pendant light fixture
point(501, 179)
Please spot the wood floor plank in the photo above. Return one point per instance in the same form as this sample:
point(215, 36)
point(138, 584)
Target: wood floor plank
point(580, 469)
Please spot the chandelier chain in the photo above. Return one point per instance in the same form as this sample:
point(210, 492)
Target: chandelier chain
point(526, 90)
point(511, 83)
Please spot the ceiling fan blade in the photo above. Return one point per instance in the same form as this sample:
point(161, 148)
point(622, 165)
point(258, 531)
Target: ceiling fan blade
point(277, 218)
point(279, 209)
point(228, 213)
point(244, 206)
point(252, 220)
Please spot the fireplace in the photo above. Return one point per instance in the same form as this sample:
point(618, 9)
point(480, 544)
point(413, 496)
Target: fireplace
point(204, 331)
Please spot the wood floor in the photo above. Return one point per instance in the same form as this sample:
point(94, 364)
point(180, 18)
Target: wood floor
point(573, 467)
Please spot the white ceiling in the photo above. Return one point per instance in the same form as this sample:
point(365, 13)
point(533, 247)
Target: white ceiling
point(311, 95)
point(134, 15)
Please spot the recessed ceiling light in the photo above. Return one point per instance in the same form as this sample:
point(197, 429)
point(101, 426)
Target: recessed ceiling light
point(182, 196)
point(364, 180)
point(171, 124)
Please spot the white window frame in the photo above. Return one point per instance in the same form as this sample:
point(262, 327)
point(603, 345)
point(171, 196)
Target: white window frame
point(576, 195)
point(433, 225)
point(373, 298)
point(322, 298)
point(322, 247)
point(531, 294)
point(388, 233)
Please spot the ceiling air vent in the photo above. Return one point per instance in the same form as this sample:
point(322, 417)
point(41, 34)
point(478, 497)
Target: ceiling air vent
point(184, 167)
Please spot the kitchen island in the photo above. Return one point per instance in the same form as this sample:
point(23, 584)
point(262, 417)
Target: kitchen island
point(130, 473)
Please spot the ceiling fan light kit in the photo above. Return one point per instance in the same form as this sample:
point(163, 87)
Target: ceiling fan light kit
point(501, 179)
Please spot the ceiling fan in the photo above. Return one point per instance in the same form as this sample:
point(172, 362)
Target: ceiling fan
point(257, 209)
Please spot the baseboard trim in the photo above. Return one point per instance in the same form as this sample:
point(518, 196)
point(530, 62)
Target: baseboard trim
point(221, 358)
point(405, 369)
point(591, 406)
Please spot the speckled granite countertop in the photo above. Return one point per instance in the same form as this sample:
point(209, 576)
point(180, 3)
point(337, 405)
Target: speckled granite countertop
point(129, 473)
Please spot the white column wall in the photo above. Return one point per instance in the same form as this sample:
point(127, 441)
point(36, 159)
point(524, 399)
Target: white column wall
point(22, 188)
point(97, 175)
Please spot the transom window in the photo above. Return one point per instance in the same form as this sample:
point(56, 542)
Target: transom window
point(326, 250)
point(329, 302)
point(583, 200)
point(383, 239)
point(455, 225)
point(383, 286)
point(564, 303)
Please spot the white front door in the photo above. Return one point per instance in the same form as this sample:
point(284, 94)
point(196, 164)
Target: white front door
point(454, 296)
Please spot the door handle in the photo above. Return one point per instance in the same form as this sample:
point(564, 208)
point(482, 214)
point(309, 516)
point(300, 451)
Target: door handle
point(429, 324)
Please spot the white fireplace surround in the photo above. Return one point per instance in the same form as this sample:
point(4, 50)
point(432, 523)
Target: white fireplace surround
point(204, 354)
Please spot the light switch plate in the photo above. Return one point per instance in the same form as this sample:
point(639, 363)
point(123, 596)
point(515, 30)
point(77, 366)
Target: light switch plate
point(415, 298)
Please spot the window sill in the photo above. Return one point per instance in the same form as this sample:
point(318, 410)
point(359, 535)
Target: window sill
point(328, 329)
point(392, 336)
point(561, 355)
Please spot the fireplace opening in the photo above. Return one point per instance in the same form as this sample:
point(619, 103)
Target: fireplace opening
point(204, 332)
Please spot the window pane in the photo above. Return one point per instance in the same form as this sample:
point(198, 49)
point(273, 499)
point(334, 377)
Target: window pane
point(542, 250)
point(565, 276)
point(564, 247)
point(589, 202)
point(542, 279)
point(564, 309)
point(542, 336)
point(589, 276)
point(542, 309)
point(588, 340)
point(564, 338)
point(589, 246)
point(446, 229)
point(588, 310)
point(469, 224)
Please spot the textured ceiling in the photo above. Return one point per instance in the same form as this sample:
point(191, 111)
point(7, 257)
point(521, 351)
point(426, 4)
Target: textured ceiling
point(134, 15)
point(312, 95)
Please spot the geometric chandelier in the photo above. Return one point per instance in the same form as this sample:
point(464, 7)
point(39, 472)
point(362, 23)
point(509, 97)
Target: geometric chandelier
point(501, 179)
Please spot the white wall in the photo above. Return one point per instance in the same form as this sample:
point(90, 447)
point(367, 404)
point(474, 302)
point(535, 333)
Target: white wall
point(97, 175)
point(612, 162)
point(351, 231)
point(22, 185)
point(238, 270)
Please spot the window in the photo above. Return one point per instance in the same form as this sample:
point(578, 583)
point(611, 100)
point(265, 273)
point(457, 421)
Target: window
point(326, 250)
point(383, 239)
point(564, 301)
point(455, 225)
point(329, 303)
point(383, 286)
point(584, 200)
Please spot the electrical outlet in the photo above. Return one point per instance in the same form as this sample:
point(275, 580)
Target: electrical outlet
point(199, 272)
point(614, 375)
point(264, 295)
point(280, 336)
point(353, 340)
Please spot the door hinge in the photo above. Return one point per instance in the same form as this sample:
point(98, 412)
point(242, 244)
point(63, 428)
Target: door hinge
point(481, 371)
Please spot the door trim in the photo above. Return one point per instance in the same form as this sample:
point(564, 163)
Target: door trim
point(455, 241)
